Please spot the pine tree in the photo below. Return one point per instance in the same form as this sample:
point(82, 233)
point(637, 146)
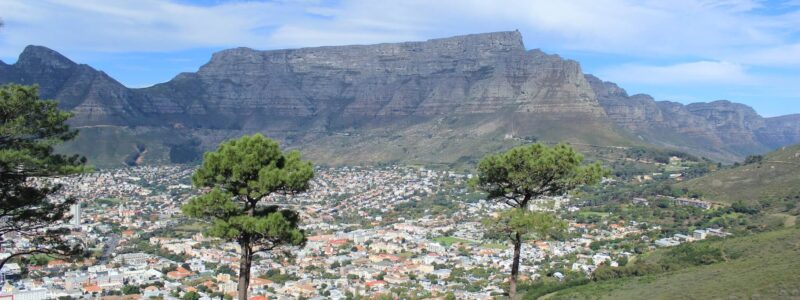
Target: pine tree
point(29, 128)
point(238, 175)
point(526, 173)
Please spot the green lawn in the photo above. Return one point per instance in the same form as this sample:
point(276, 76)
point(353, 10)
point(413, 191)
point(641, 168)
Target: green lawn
point(587, 213)
point(449, 240)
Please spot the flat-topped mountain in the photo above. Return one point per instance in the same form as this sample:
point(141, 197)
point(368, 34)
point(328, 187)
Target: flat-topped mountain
point(441, 100)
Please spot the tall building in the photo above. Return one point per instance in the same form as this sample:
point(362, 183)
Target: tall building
point(75, 209)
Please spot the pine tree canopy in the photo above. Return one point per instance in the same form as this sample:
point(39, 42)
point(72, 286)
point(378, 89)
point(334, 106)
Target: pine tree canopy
point(29, 128)
point(240, 174)
point(532, 171)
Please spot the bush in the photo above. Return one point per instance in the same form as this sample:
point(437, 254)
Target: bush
point(694, 254)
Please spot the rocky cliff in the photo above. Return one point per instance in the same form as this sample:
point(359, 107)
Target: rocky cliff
point(445, 97)
point(346, 85)
point(95, 97)
point(780, 131)
point(719, 129)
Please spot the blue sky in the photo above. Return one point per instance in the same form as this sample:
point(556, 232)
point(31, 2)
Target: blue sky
point(679, 50)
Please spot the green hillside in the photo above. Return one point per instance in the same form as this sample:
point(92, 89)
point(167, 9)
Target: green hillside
point(452, 142)
point(761, 266)
point(775, 178)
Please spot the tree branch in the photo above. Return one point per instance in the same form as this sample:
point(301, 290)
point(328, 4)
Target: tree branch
point(29, 252)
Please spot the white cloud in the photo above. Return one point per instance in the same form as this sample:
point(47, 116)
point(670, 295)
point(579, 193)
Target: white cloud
point(146, 25)
point(692, 73)
point(706, 31)
point(708, 28)
point(779, 56)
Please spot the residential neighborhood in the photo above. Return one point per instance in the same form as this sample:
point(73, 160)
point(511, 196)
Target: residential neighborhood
point(369, 231)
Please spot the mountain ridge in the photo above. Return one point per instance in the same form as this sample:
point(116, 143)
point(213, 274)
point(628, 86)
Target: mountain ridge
point(718, 123)
point(488, 83)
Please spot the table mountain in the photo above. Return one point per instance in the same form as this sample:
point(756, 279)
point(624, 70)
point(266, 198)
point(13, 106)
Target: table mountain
point(442, 100)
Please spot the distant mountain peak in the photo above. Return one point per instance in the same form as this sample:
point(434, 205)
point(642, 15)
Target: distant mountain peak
point(42, 56)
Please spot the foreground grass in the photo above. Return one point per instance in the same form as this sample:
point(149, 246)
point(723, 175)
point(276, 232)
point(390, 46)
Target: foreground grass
point(763, 266)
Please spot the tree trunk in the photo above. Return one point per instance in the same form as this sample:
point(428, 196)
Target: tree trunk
point(244, 269)
point(515, 265)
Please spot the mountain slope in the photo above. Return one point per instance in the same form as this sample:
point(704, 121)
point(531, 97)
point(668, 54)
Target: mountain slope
point(719, 129)
point(438, 101)
point(761, 266)
point(776, 177)
point(96, 98)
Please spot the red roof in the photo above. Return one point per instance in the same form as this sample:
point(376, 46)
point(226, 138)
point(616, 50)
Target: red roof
point(375, 283)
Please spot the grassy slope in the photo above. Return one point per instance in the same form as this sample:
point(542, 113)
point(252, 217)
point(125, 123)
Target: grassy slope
point(778, 176)
point(453, 141)
point(767, 268)
point(108, 146)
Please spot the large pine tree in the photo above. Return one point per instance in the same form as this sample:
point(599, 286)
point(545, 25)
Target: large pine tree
point(527, 173)
point(238, 175)
point(29, 128)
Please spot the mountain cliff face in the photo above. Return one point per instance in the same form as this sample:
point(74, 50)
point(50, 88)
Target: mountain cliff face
point(442, 97)
point(95, 97)
point(780, 131)
point(474, 74)
point(719, 129)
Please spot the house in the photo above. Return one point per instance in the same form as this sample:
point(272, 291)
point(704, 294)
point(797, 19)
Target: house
point(151, 291)
point(92, 289)
point(260, 283)
point(179, 274)
point(125, 297)
point(375, 284)
point(558, 276)
point(442, 273)
point(9, 292)
point(667, 242)
point(56, 263)
point(699, 234)
point(600, 258)
point(11, 269)
point(395, 278)
point(223, 277)
point(717, 232)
